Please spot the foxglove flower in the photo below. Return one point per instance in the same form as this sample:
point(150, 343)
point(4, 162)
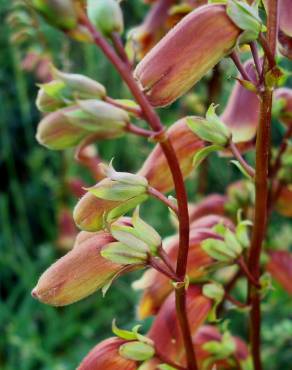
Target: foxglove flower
point(193, 47)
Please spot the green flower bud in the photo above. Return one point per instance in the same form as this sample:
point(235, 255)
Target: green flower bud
point(79, 86)
point(223, 349)
point(60, 13)
point(137, 351)
point(98, 116)
point(106, 16)
point(211, 129)
point(49, 97)
point(56, 133)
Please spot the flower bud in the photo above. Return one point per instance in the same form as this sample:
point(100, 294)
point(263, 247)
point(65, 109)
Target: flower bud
point(98, 116)
point(60, 13)
point(185, 144)
point(210, 129)
point(214, 291)
point(106, 356)
point(106, 16)
point(193, 47)
point(57, 133)
point(48, 99)
point(79, 86)
point(79, 273)
point(241, 114)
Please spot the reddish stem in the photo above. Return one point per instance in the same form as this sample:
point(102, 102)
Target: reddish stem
point(181, 195)
point(241, 160)
point(256, 58)
point(160, 196)
point(136, 111)
point(239, 66)
point(261, 182)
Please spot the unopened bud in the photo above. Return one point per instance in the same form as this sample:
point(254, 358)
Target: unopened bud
point(106, 16)
point(106, 356)
point(56, 133)
point(49, 97)
point(79, 86)
point(193, 47)
point(75, 276)
point(60, 13)
point(98, 116)
point(214, 291)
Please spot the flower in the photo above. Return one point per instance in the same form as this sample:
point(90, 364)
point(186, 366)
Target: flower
point(193, 47)
point(79, 273)
point(106, 356)
point(156, 287)
point(280, 267)
point(185, 144)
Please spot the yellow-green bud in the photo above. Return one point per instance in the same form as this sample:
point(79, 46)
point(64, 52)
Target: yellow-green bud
point(106, 16)
point(137, 351)
point(56, 133)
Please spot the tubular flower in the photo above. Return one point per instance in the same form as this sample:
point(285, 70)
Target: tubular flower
point(241, 114)
point(171, 343)
point(106, 356)
point(68, 126)
point(285, 28)
point(207, 334)
point(280, 266)
point(78, 274)
point(175, 64)
point(156, 287)
point(185, 144)
point(284, 94)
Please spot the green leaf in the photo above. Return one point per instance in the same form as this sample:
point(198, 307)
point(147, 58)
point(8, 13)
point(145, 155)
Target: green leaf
point(124, 334)
point(125, 207)
point(123, 254)
point(241, 169)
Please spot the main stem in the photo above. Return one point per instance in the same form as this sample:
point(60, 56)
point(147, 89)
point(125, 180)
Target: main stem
point(261, 184)
point(168, 150)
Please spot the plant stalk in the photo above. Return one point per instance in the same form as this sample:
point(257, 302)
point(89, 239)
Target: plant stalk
point(181, 195)
point(261, 184)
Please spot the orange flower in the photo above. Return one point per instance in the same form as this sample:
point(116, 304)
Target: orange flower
point(212, 204)
point(193, 47)
point(78, 274)
point(156, 287)
point(185, 144)
point(106, 356)
point(165, 330)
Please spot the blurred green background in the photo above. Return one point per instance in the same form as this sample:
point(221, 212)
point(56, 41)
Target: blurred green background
point(35, 336)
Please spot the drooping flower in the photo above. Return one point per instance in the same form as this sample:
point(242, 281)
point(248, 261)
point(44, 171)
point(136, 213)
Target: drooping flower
point(106, 356)
point(193, 47)
point(285, 28)
point(79, 273)
point(284, 95)
point(185, 144)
